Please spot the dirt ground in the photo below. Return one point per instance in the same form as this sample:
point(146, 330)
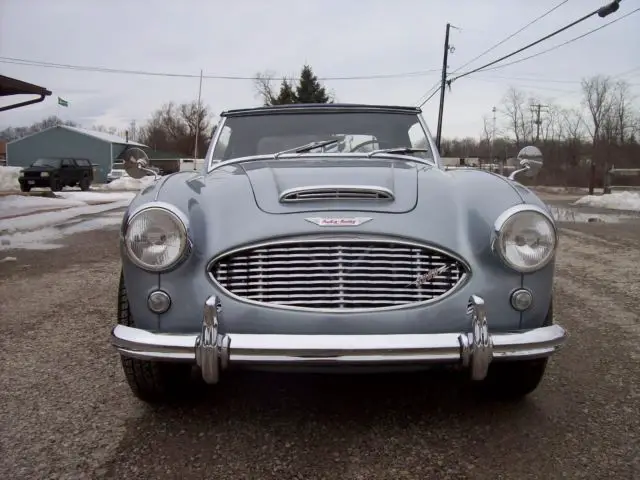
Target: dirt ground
point(66, 411)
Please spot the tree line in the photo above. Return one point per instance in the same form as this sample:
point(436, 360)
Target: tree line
point(579, 143)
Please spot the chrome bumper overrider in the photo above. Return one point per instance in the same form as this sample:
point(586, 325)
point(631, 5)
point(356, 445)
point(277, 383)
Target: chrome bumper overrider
point(214, 351)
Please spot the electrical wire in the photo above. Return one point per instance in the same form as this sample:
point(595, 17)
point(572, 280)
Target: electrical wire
point(36, 63)
point(511, 36)
point(484, 67)
point(420, 102)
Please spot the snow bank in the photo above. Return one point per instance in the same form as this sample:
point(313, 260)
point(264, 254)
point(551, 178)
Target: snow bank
point(129, 183)
point(615, 201)
point(9, 179)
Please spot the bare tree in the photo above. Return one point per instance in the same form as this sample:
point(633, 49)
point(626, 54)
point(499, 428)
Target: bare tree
point(173, 127)
point(621, 111)
point(264, 87)
point(518, 116)
point(597, 98)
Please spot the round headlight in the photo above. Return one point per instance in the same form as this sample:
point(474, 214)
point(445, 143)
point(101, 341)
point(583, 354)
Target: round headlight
point(526, 240)
point(156, 239)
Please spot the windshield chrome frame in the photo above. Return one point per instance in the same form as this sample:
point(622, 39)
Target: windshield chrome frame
point(210, 165)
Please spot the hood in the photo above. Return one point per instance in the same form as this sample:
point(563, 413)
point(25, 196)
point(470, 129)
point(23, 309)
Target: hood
point(334, 184)
point(39, 168)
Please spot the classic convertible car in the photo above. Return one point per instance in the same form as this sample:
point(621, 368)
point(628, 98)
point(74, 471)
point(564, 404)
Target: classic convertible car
point(331, 238)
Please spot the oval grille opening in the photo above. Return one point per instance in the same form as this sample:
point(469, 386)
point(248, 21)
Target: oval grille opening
point(338, 274)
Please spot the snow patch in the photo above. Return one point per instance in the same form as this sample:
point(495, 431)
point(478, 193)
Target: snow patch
point(13, 202)
point(97, 197)
point(614, 201)
point(9, 179)
point(129, 183)
point(45, 238)
point(38, 220)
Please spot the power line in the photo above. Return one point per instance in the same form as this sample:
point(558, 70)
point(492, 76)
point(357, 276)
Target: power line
point(421, 102)
point(548, 49)
point(484, 67)
point(512, 35)
point(37, 63)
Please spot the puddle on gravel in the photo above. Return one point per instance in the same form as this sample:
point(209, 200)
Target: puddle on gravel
point(563, 214)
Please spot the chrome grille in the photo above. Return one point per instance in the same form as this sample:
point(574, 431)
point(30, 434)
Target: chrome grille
point(338, 274)
point(336, 192)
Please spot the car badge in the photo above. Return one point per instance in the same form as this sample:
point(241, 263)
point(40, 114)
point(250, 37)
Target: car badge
point(429, 275)
point(338, 221)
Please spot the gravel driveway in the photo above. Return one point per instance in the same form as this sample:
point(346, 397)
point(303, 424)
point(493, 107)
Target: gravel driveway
point(66, 411)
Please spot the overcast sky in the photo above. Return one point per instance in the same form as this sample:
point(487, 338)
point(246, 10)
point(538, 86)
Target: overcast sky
point(337, 38)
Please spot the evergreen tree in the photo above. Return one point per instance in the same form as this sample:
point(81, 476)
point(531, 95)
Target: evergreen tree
point(286, 94)
point(306, 90)
point(309, 89)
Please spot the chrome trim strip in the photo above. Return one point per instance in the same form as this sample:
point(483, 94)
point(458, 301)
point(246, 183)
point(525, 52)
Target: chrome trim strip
point(464, 278)
point(432, 143)
point(182, 219)
point(213, 351)
point(502, 220)
point(214, 140)
point(320, 155)
point(362, 189)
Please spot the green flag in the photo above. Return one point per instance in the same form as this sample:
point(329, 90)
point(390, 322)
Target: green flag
point(62, 102)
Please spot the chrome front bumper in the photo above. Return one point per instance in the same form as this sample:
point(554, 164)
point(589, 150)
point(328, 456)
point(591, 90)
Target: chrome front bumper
point(214, 351)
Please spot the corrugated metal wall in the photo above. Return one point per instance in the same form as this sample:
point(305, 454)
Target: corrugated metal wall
point(58, 142)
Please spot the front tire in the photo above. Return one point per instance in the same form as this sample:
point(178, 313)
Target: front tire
point(514, 380)
point(85, 184)
point(150, 381)
point(25, 188)
point(55, 184)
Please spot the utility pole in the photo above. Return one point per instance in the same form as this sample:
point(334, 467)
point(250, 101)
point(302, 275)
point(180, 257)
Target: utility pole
point(493, 136)
point(443, 85)
point(195, 147)
point(538, 107)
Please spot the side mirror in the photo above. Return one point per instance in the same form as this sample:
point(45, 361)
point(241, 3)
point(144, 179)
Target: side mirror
point(136, 163)
point(530, 159)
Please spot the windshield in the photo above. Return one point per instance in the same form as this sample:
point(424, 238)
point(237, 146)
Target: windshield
point(46, 162)
point(358, 132)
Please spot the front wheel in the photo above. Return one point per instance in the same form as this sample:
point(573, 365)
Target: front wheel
point(151, 382)
point(513, 380)
point(85, 184)
point(25, 188)
point(55, 184)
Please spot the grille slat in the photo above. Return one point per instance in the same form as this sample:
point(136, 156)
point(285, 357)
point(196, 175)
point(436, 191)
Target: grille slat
point(334, 274)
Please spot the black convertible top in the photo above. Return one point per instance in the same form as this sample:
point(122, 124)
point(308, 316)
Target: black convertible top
point(319, 107)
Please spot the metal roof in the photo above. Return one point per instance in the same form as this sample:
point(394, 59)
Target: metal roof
point(13, 86)
point(105, 137)
point(319, 107)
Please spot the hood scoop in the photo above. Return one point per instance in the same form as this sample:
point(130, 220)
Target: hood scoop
point(336, 192)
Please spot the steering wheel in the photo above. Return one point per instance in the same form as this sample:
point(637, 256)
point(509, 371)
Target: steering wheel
point(365, 143)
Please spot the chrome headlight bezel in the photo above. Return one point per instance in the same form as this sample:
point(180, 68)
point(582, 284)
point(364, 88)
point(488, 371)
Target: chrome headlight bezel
point(505, 219)
point(180, 221)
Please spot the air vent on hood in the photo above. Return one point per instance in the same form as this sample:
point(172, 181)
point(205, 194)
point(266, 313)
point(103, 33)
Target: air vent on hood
point(336, 192)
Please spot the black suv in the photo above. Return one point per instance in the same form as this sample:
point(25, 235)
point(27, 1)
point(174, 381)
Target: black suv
point(57, 173)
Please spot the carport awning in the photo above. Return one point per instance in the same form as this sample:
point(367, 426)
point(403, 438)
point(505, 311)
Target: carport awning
point(13, 86)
